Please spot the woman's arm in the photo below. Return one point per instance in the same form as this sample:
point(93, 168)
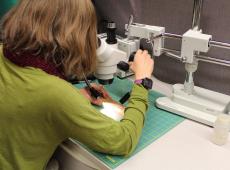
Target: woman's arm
point(86, 124)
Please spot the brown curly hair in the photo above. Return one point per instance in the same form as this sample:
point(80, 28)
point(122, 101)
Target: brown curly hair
point(61, 31)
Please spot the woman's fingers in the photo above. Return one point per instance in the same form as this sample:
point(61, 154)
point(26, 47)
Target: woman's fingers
point(142, 65)
point(97, 101)
point(145, 52)
point(101, 89)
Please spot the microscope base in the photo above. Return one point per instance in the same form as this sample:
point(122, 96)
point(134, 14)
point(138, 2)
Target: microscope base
point(202, 106)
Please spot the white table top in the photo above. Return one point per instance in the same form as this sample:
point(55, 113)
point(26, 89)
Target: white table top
point(186, 147)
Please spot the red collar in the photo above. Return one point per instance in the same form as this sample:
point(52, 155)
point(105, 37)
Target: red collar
point(29, 60)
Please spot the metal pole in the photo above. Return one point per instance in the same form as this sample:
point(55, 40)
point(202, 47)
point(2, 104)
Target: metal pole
point(176, 55)
point(197, 9)
point(172, 36)
point(213, 43)
point(221, 62)
point(172, 53)
point(220, 44)
point(192, 67)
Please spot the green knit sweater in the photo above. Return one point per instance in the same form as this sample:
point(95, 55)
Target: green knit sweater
point(38, 111)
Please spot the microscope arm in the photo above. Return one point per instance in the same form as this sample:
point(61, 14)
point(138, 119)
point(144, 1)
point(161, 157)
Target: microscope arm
point(151, 33)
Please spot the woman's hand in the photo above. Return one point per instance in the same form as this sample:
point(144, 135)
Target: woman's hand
point(111, 108)
point(143, 65)
point(86, 92)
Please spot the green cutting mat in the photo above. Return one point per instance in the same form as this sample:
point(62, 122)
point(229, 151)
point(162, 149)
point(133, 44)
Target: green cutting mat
point(157, 122)
point(6, 5)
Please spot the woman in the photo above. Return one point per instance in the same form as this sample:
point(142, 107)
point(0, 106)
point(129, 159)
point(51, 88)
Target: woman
point(44, 42)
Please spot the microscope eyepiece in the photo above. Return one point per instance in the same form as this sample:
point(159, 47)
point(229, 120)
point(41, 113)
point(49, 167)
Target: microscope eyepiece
point(111, 33)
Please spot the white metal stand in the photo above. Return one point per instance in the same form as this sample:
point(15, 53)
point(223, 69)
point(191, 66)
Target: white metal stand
point(202, 106)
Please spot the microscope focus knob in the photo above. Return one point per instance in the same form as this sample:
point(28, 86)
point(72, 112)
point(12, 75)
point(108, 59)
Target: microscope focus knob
point(123, 66)
point(131, 57)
